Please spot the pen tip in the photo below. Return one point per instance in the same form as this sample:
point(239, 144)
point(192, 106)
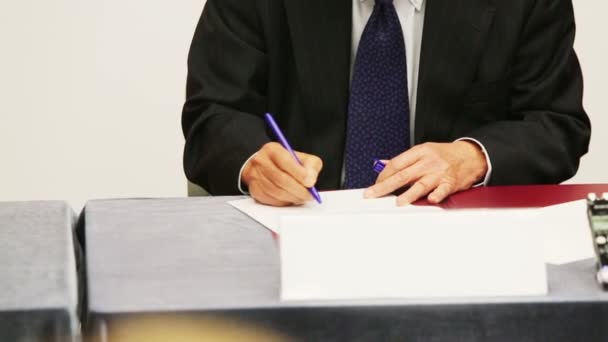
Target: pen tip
point(316, 195)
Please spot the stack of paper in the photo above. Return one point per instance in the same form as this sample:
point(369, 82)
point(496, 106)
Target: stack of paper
point(566, 233)
point(344, 201)
point(350, 247)
point(420, 255)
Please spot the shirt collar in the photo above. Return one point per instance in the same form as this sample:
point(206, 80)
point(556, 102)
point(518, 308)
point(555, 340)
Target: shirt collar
point(416, 3)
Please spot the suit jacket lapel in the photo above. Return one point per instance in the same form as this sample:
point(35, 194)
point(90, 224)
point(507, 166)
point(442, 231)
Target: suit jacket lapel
point(454, 35)
point(321, 38)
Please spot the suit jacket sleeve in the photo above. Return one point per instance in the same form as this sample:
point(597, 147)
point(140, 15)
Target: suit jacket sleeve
point(225, 97)
point(547, 130)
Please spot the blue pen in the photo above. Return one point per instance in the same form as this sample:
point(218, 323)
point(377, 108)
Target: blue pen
point(277, 132)
point(378, 166)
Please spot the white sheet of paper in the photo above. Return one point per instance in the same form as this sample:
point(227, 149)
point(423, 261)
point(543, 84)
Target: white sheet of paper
point(416, 255)
point(342, 201)
point(567, 237)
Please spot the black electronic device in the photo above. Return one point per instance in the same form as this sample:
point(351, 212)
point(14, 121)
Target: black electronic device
point(597, 211)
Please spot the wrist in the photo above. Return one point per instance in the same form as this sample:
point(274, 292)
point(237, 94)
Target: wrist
point(473, 159)
point(245, 175)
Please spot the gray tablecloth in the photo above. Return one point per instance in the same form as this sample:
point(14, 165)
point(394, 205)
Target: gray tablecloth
point(202, 256)
point(38, 282)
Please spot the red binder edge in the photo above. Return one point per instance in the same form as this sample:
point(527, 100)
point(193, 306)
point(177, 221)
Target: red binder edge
point(519, 196)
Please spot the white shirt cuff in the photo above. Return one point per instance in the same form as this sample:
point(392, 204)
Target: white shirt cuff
point(239, 184)
point(486, 179)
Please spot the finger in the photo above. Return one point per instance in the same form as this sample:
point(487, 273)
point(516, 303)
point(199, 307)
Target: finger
point(258, 194)
point(313, 166)
point(286, 162)
point(286, 183)
point(402, 161)
point(441, 193)
point(274, 191)
point(270, 171)
point(396, 181)
point(420, 189)
point(310, 162)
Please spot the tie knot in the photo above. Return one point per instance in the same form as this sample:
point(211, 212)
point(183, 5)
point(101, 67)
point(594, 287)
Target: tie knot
point(384, 2)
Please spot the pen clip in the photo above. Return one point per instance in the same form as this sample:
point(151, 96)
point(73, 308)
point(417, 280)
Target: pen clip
point(378, 166)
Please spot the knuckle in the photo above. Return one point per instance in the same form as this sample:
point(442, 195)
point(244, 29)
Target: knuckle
point(302, 195)
point(435, 164)
point(257, 160)
point(274, 174)
point(283, 159)
point(403, 176)
point(274, 145)
point(276, 151)
point(423, 186)
point(444, 190)
point(254, 178)
point(318, 162)
point(449, 181)
point(283, 180)
point(424, 147)
point(281, 194)
point(268, 147)
point(254, 190)
point(442, 165)
point(428, 150)
point(449, 185)
point(274, 192)
point(259, 195)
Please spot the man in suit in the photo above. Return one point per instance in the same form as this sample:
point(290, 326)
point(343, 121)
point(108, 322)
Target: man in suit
point(451, 93)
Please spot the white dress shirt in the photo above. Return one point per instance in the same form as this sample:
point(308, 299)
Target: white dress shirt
point(411, 15)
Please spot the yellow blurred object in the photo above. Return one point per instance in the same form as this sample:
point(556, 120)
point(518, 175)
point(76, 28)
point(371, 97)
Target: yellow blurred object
point(164, 329)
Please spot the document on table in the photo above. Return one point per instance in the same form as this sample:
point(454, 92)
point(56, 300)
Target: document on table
point(456, 253)
point(566, 232)
point(350, 247)
point(342, 201)
point(416, 255)
point(566, 236)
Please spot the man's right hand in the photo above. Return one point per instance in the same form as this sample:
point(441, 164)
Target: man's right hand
point(275, 178)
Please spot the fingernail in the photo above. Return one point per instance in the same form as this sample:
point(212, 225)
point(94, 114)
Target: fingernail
point(402, 202)
point(369, 193)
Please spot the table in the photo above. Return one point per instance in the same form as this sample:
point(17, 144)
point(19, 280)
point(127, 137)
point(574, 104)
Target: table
point(38, 282)
point(203, 257)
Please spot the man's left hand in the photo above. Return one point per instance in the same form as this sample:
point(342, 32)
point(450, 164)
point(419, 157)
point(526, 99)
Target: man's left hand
point(434, 169)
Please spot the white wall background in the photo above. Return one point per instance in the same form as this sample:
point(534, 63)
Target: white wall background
point(91, 95)
point(592, 48)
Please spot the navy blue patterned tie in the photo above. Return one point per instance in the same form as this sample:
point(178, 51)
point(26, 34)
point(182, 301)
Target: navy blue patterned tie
point(378, 113)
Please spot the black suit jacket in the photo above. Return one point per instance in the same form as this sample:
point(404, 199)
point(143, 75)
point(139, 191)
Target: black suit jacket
point(502, 72)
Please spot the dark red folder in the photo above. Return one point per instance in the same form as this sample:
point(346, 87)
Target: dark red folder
point(521, 196)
